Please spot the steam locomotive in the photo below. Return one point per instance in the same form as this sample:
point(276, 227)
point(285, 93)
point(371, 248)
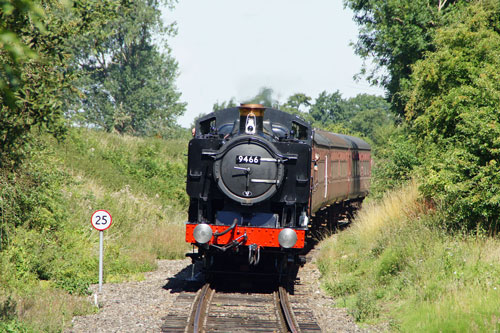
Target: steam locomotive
point(261, 180)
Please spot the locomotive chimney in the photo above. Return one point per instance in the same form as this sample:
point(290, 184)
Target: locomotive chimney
point(251, 118)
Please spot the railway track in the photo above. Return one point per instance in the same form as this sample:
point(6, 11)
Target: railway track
point(228, 311)
point(213, 310)
point(244, 305)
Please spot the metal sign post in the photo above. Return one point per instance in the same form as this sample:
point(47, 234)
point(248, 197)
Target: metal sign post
point(101, 220)
point(101, 251)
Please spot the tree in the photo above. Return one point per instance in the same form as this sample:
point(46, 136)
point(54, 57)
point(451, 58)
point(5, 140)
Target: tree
point(370, 115)
point(34, 74)
point(298, 104)
point(298, 101)
point(395, 34)
point(224, 105)
point(453, 111)
point(128, 83)
point(329, 108)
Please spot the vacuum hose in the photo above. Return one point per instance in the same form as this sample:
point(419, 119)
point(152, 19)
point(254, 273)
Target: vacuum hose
point(235, 222)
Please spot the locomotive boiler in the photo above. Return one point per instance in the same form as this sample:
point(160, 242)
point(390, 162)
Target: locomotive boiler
point(260, 180)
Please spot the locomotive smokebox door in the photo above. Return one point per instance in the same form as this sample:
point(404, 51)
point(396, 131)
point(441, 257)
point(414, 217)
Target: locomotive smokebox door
point(248, 170)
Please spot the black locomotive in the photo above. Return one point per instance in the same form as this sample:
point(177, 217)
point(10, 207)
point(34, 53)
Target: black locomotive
point(259, 179)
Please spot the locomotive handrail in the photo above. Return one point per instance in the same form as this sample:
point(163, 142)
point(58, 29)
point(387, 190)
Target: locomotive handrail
point(264, 181)
point(235, 222)
point(218, 154)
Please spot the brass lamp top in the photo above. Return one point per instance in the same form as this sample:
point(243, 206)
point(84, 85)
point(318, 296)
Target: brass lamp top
point(256, 109)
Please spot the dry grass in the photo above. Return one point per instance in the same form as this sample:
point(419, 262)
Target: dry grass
point(376, 218)
point(490, 250)
point(164, 241)
point(145, 227)
point(393, 209)
point(398, 257)
point(133, 208)
point(48, 309)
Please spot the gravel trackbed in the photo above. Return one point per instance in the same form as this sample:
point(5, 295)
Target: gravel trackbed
point(141, 306)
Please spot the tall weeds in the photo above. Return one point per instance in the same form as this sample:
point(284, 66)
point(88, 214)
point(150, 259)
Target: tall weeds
point(397, 265)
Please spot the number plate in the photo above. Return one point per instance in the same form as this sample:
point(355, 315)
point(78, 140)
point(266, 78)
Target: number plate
point(248, 159)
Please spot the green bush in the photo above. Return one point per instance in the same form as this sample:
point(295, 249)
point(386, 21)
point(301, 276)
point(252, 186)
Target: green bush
point(14, 326)
point(453, 111)
point(394, 162)
point(365, 306)
point(390, 263)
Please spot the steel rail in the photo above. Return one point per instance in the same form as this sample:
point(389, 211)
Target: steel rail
point(290, 320)
point(200, 309)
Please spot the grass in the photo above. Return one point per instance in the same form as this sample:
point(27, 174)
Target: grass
point(49, 250)
point(40, 309)
point(397, 265)
point(140, 182)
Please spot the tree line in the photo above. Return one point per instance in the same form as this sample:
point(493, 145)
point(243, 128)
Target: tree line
point(366, 116)
point(101, 64)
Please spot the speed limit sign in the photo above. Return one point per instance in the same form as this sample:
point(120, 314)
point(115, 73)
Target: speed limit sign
point(101, 220)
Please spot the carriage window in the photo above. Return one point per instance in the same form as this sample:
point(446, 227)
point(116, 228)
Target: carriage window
point(335, 169)
point(343, 168)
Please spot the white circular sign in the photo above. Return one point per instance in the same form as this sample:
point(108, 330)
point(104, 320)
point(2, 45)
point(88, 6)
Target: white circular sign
point(101, 220)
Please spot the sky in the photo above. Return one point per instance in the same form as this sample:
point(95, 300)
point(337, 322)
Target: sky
point(232, 48)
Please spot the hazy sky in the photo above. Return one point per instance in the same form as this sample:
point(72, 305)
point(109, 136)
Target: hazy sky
point(231, 48)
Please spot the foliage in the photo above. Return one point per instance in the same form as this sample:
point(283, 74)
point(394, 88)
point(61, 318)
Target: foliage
point(298, 104)
point(31, 77)
point(394, 35)
point(397, 265)
point(33, 229)
point(35, 76)
point(46, 237)
point(128, 82)
point(442, 74)
point(221, 106)
point(13, 50)
point(111, 42)
point(364, 115)
point(328, 108)
point(370, 116)
point(396, 159)
point(298, 101)
point(455, 119)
